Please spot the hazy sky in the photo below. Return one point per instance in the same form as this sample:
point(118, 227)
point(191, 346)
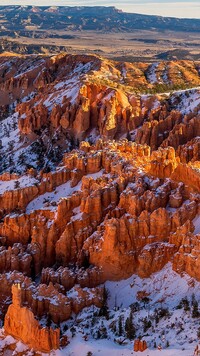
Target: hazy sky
point(177, 8)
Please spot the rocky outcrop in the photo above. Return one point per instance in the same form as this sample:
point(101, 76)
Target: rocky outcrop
point(32, 119)
point(18, 198)
point(140, 345)
point(190, 151)
point(90, 277)
point(20, 323)
point(15, 259)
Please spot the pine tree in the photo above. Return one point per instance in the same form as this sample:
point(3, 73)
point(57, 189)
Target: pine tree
point(73, 331)
point(48, 322)
point(129, 327)
point(104, 306)
point(120, 327)
point(195, 309)
point(16, 184)
point(198, 333)
point(147, 324)
point(194, 301)
point(186, 305)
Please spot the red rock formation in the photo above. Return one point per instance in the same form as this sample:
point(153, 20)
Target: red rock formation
point(15, 259)
point(21, 324)
point(127, 207)
point(140, 345)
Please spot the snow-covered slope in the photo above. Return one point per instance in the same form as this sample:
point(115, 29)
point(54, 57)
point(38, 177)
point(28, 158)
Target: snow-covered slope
point(176, 331)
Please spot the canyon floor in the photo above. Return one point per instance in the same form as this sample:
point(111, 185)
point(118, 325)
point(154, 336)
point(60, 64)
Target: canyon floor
point(146, 45)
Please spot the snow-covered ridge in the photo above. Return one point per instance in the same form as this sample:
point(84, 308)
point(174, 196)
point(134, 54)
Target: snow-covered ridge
point(20, 183)
point(49, 200)
point(189, 100)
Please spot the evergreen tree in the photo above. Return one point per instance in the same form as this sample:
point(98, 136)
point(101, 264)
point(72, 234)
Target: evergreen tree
point(193, 299)
point(195, 309)
point(120, 326)
point(129, 327)
point(73, 331)
point(48, 322)
point(198, 333)
point(104, 306)
point(147, 324)
point(16, 184)
point(186, 305)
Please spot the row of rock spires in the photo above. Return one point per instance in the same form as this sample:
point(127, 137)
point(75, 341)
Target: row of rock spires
point(111, 192)
point(162, 163)
point(175, 199)
point(20, 75)
point(128, 221)
point(101, 105)
point(112, 113)
point(155, 120)
point(138, 211)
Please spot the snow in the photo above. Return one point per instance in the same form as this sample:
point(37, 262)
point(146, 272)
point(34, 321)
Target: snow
point(105, 348)
point(82, 68)
point(165, 75)
point(9, 125)
point(124, 71)
point(77, 214)
point(190, 100)
point(151, 75)
point(63, 191)
point(80, 347)
point(164, 289)
point(12, 146)
point(196, 223)
point(9, 340)
point(56, 98)
point(24, 181)
point(96, 175)
point(28, 97)
point(20, 347)
point(68, 88)
point(165, 284)
point(28, 66)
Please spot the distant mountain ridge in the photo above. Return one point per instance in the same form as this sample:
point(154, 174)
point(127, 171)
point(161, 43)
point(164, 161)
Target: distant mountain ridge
point(97, 18)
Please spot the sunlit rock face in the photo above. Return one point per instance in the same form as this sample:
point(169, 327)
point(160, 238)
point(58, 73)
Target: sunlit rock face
point(20, 323)
point(99, 182)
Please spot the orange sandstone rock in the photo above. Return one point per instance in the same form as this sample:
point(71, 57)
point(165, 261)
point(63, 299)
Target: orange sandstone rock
point(21, 324)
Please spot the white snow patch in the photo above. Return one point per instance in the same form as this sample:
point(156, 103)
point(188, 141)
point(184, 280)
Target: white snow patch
point(166, 284)
point(63, 191)
point(196, 223)
point(24, 181)
point(151, 75)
